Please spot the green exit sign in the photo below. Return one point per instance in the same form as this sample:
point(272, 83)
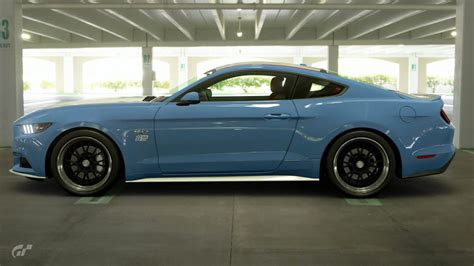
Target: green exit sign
point(5, 33)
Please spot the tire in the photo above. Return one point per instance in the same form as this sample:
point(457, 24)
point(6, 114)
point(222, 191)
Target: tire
point(85, 162)
point(360, 163)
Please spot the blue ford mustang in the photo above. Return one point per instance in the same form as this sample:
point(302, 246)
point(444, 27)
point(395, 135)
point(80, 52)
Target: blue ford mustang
point(243, 122)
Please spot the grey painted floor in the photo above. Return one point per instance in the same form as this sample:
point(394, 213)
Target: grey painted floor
point(423, 221)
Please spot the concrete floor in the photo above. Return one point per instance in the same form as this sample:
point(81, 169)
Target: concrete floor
point(422, 221)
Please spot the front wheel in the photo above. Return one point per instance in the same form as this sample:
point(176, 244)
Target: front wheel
point(84, 162)
point(360, 163)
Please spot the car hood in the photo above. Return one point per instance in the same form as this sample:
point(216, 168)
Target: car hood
point(86, 106)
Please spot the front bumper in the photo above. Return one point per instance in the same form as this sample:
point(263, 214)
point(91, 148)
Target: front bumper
point(30, 176)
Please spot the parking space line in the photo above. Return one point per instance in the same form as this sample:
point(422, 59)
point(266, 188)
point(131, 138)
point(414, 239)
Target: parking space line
point(363, 202)
point(469, 151)
point(103, 200)
point(95, 200)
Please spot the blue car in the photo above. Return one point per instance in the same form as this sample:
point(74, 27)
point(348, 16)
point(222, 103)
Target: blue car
point(242, 122)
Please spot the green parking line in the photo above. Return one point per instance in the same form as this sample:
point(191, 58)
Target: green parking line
point(363, 202)
point(95, 200)
point(101, 200)
point(469, 151)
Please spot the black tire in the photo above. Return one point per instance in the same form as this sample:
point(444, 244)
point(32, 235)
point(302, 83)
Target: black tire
point(360, 163)
point(85, 162)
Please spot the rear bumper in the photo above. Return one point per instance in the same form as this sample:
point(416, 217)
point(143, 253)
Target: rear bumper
point(435, 166)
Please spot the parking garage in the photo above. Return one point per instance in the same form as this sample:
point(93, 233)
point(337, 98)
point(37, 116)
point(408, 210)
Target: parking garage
point(71, 52)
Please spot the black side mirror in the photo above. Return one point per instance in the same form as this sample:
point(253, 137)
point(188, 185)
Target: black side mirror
point(189, 98)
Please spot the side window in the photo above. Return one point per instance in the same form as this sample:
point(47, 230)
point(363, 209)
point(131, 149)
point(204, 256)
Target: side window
point(250, 87)
point(315, 88)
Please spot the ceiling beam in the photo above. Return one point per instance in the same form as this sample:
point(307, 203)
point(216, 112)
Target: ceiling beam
point(61, 22)
point(434, 40)
point(176, 19)
point(339, 20)
point(302, 17)
point(416, 22)
point(204, 6)
point(220, 22)
point(433, 29)
point(376, 21)
point(259, 21)
point(45, 31)
point(98, 20)
point(139, 21)
point(219, 19)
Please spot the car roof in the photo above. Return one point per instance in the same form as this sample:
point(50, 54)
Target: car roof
point(266, 64)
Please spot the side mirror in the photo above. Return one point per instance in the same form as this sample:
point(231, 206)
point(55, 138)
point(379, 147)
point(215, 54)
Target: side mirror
point(189, 98)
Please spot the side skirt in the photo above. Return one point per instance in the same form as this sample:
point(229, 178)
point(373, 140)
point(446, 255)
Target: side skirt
point(224, 179)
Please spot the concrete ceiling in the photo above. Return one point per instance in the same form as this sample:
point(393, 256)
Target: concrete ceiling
point(107, 23)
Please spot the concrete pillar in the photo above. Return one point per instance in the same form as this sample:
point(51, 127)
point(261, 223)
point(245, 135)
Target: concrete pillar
point(464, 75)
point(182, 67)
point(11, 76)
point(78, 64)
point(147, 64)
point(413, 73)
point(68, 74)
point(298, 58)
point(59, 81)
point(422, 76)
point(333, 58)
point(403, 75)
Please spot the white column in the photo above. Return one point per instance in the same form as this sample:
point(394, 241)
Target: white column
point(147, 63)
point(11, 72)
point(464, 75)
point(333, 58)
point(298, 58)
point(182, 67)
point(413, 73)
point(68, 66)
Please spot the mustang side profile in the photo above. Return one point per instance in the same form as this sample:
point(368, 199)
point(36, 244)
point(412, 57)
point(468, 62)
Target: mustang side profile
point(241, 122)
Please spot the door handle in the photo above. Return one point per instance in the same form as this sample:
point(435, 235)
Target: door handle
point(277, 116)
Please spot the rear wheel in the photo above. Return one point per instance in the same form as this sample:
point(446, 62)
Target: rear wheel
point(361, 163)
point(85, 162)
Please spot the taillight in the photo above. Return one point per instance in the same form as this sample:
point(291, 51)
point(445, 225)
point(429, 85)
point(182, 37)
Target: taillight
point(445, 117)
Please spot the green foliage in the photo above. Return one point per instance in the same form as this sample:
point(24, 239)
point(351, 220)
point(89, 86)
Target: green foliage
point(240, 82)
point(377, 79)
point(134, 84)
point(47, 85)
point(157, 84)
point(117, 85)
point(434, 81)
point(26, 86)
point(114, 85)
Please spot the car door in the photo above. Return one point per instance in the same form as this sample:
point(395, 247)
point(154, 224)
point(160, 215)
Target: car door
point(233, 129)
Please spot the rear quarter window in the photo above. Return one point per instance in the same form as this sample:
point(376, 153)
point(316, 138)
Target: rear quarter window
point(316, 88)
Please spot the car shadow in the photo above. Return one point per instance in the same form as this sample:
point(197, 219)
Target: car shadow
point(406, 188)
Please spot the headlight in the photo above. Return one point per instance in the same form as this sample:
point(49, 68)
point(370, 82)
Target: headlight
point(34, 128)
